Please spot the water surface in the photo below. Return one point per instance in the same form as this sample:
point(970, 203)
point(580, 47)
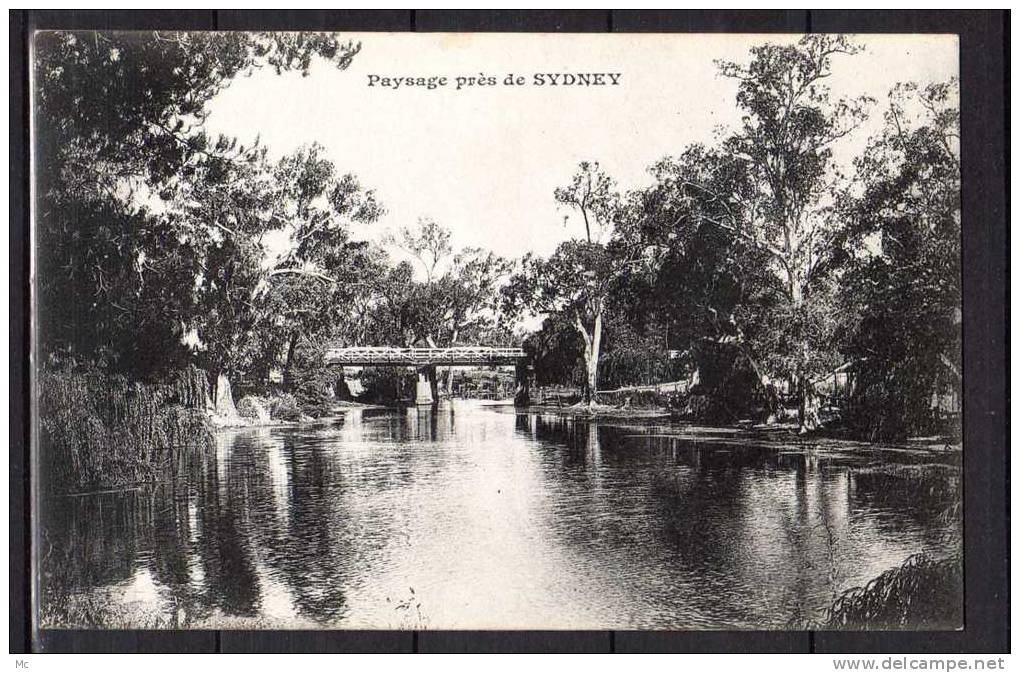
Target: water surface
point(469, 516)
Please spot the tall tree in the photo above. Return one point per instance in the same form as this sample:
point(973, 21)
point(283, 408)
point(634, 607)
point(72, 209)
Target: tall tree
point(708, 284)
point(316, 278)
point(578, 279)
point(785, 142)
point(467, 294)
point(397, 314)
point(254, 296)
point(223, 216)
point(428, 244)
point(592, 194)
point(459, 289)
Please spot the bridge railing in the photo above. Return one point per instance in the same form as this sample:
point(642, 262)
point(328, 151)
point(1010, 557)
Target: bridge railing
point(461, 355)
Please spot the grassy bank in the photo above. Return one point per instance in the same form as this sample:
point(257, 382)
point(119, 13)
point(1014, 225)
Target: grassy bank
point(98, 430)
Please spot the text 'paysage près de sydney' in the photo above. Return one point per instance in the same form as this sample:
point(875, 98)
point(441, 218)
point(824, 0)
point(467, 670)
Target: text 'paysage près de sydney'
point(483, 80)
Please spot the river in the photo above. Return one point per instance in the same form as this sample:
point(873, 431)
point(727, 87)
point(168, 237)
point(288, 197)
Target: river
point(474, 516)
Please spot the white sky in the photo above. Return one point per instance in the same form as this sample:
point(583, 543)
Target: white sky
point(484, 162)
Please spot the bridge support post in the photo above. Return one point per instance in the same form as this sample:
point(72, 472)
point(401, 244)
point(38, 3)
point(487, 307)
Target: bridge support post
point(423, 388)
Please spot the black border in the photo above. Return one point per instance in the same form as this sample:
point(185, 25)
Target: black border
point(984, 48)
point(18, 489)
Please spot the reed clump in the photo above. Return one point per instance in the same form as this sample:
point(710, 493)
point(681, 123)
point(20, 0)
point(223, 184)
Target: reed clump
point(921, 593)
point(99, 430)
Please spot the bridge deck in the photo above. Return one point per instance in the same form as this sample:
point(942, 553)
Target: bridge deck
point(420, 357)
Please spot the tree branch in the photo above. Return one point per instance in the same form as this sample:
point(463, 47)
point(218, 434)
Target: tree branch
point(306, 272)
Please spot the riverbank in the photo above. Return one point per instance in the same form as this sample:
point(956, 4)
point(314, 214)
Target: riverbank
point(775, 435)
point(99, 430)
point(599, 411)
point(227, 422)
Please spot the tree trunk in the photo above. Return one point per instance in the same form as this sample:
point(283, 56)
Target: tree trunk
point(807, 401)
point(807, 406)
point(292, 346)
point(223, 398)
point(433, 377)
point(448, 384)
point(592, 347)
point(523, 376)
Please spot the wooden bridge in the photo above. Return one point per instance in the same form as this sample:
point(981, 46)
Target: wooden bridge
point(382, 356)
point(425, 360)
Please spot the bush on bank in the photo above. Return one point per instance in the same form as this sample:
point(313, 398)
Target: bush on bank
point(921, 593)
point(285, 407)
point(253, 408)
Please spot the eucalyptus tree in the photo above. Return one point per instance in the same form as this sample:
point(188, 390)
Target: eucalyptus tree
point(578, 279)
point(463, 302)
point(707, 284)
point(592, 194)
point(773, 194)
point(396, 313)
point(459, 288)
point(222, 218)
point(277, 259)
point(468, 295)
point(315, 279)
point(428, 244)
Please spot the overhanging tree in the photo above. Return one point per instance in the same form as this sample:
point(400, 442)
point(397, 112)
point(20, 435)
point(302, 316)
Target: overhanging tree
point(119, 128)
point(252, 299)
point(314, 281)
point(709, 285)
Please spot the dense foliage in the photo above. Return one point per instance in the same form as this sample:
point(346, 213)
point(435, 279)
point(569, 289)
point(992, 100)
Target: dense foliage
point(761, 265)
point(903, 302)
point(98, 429)
point(922, 592)
point(118, 128)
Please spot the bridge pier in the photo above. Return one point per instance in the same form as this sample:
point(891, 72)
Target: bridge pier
point(424, 394)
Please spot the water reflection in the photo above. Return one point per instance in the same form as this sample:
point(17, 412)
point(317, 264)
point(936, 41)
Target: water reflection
point(494, 520)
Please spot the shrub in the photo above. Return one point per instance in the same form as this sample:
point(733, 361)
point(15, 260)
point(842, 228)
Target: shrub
point(312, 381)
point(285, 407)
point(253, 408)
point(314, 401)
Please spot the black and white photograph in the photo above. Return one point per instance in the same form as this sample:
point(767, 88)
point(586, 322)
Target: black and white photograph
point(496, 331)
